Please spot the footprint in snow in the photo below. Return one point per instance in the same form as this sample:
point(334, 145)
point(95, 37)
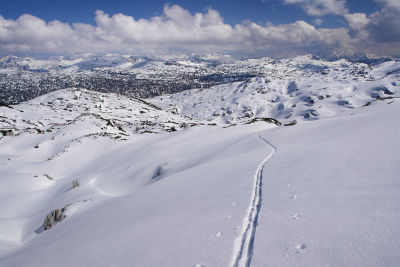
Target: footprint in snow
point(219, 234)
point(296, 216)
point(300, 248)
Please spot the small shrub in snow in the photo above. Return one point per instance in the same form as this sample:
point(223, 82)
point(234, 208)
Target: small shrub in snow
point(48, 176)
point(75, 183)
point(158, 172)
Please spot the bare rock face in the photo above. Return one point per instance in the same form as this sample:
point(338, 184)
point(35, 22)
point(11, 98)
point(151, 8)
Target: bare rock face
point(115, 124)
point(7, 132)
point(292, 123)
point(54, 217)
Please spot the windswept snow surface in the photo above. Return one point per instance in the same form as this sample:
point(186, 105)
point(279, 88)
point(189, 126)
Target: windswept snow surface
point(331, 195)
point(160, 189)
point(123, 213)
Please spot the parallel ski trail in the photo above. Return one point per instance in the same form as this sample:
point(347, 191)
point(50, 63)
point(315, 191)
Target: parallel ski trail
point(243, 250)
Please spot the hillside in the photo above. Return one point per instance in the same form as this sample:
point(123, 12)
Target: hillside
point(22, 79)
point(207, 177)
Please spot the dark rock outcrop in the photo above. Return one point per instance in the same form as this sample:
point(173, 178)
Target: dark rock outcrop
point(55, 216)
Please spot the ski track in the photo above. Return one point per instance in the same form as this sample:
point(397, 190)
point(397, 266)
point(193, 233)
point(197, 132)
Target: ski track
point(243, 250)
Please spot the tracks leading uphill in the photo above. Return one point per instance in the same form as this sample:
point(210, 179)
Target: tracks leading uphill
point(243, 250)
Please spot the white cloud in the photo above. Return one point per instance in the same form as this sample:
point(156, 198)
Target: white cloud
point(321, 7)
point(357, 21)
point(179, 31)
point(390, 4)
point(384, 25)
point(318, 21)
point(380, 28)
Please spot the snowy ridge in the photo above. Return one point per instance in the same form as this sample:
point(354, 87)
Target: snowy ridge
point(103, 114)
point(244, 245)
point(22, 79)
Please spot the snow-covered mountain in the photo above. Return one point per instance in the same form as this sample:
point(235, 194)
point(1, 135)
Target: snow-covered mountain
point(289, 99)
point(297, 166)
point(22, 79)
point(84, 112)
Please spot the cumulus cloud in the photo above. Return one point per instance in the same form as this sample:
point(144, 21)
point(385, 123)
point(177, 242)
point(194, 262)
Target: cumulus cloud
point(357, 21)
point(177, 31)
point(321, 7)
point(379, 31)
point(384, 25)
point(390, 4)
point(318, 21)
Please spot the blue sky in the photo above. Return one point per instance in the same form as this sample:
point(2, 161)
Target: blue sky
point(253, 27)
point(233, 11)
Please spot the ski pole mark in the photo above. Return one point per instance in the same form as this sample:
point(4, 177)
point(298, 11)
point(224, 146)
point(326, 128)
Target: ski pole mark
point(243, 252)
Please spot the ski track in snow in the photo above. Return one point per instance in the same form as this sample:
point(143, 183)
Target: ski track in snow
point(243, 250)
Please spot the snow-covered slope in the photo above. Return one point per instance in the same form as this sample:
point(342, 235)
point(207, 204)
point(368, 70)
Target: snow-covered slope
point(143, 186)
point(23, 79)
point(83, 113)
point(310, 97)
point(332, 192)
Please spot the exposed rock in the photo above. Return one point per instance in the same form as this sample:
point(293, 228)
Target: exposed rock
point(343, 102)
point(386, 91)
point(5, 105)
point(294, 122)
point(367, 104)
point(39, 131)
point(157, 172)
point(269, 120)
point(310, 113)
point(55, 216)
point(248, 114)
point(114, 124)
point(314, 112)
point(48, 176)
point(7, 132)
point(309, 100)
point(217, 113)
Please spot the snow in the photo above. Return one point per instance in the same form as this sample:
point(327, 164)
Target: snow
point(129, 209)
point(301, 98)
point(331, 193)
point(217, 190)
